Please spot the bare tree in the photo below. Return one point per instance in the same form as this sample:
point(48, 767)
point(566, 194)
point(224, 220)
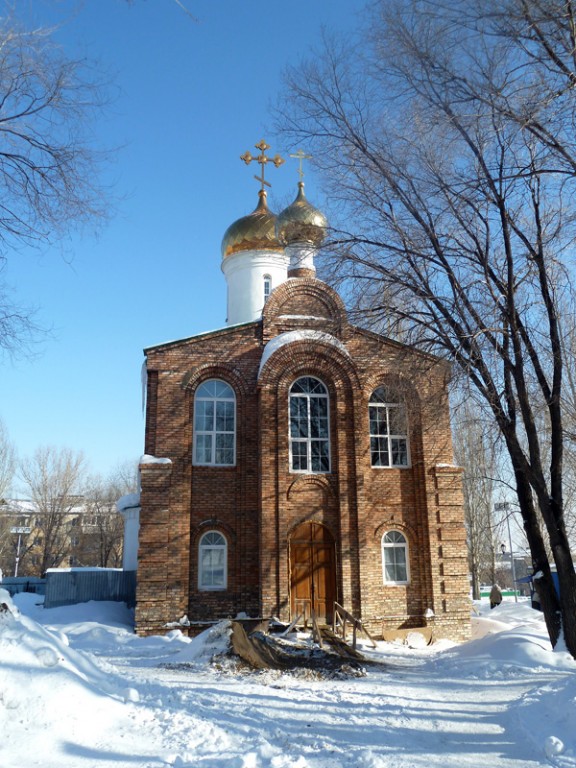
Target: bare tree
point(54, 479)
point(474, 449)
point(7, 467)
point(102, 526)
point(6, 554)
point(569, 406)
point(47, 164)
point(124, 479)
point(446, 132)
point(7, 462)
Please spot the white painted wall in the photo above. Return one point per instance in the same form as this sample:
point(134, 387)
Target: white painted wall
point(131, 517)
point(244, 272)
point(301, 256)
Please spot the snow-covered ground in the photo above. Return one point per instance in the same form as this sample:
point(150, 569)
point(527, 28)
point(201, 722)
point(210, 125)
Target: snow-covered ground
point(78, 689)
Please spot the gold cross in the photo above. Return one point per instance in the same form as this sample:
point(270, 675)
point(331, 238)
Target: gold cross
point(301, 155)
point(262, 159)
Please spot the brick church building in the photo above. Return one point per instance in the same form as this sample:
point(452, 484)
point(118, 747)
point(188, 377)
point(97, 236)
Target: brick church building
point(294, 460)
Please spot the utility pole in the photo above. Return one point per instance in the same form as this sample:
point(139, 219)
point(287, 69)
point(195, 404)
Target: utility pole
point(504, 506)
point(19, 529)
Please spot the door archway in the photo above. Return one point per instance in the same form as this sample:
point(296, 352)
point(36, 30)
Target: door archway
point(312, 572)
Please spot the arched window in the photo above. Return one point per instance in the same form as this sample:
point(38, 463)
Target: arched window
point(215, 424)
point(309, 430)
point(395, 558)
point(388, 430)
point(212, 561)
point(267, 287)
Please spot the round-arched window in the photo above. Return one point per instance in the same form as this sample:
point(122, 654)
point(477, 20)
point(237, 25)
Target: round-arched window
point(267, 287)
point(395, 563)
point(214, 424)
point(212, 561)
point(388, 430)
point(309, 426)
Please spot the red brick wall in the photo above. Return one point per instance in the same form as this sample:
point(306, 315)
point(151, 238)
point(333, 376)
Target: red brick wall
point(257, 503)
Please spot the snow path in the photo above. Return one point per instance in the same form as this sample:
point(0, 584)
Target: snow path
point(79, 690)
point(408, 725)
point(404, 715)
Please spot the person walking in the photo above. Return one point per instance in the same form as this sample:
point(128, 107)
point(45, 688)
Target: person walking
point(495, 596)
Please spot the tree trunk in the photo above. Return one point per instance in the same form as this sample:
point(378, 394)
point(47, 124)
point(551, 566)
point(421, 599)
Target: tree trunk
point(455, 212)
point(544, 585)
point(567, 584)
point(475, 581)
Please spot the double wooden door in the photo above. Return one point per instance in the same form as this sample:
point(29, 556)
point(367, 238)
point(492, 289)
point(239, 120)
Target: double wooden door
point(312, 572)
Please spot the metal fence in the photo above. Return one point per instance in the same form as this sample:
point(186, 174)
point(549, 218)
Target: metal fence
point(15, 584)
point(81, 585)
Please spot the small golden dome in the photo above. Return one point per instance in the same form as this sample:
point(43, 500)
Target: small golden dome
point(301, 222)
point(257, 231)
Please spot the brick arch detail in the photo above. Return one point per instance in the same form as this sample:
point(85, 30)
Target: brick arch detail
point(412, 401)
point(212, 524)
point(301, 482)
point(390, 524)
point(313, 519)
point(305, 287)
point(308, 357)
point(228, 373)
point(396, 380)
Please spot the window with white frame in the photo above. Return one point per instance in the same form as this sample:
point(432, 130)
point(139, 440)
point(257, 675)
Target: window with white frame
point(267, 287)
point(395, 558)
point(388, 430)
point(309, 427)
point(212, 561)
point(215, 424)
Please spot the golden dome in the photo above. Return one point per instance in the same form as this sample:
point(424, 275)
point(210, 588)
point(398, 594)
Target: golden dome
point(257, 231)
point(301, 222)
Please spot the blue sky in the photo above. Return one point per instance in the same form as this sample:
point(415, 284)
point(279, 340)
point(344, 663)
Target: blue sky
point(188, 99)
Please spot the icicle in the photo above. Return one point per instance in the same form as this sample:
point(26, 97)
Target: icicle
point(144, 380)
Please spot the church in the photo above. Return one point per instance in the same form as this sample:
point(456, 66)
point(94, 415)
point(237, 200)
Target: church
point(295, 461)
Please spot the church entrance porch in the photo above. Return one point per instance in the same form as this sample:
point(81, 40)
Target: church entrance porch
point(312, 572)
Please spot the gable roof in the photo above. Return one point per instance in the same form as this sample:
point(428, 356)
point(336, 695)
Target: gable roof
point(230, 329)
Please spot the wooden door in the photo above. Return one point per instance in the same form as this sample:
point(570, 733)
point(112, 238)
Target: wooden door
point(312, 572)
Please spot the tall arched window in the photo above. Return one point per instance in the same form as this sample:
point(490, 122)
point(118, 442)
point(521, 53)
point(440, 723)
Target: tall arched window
point(212, 561)
point(309, 428)
point(388, 430)
point(214, 424)
point(395, 564)
point(267, 287)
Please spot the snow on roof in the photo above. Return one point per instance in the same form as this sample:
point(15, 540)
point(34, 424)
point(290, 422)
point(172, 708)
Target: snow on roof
point(301, 335)
point(18, 506)
point(172, 342)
